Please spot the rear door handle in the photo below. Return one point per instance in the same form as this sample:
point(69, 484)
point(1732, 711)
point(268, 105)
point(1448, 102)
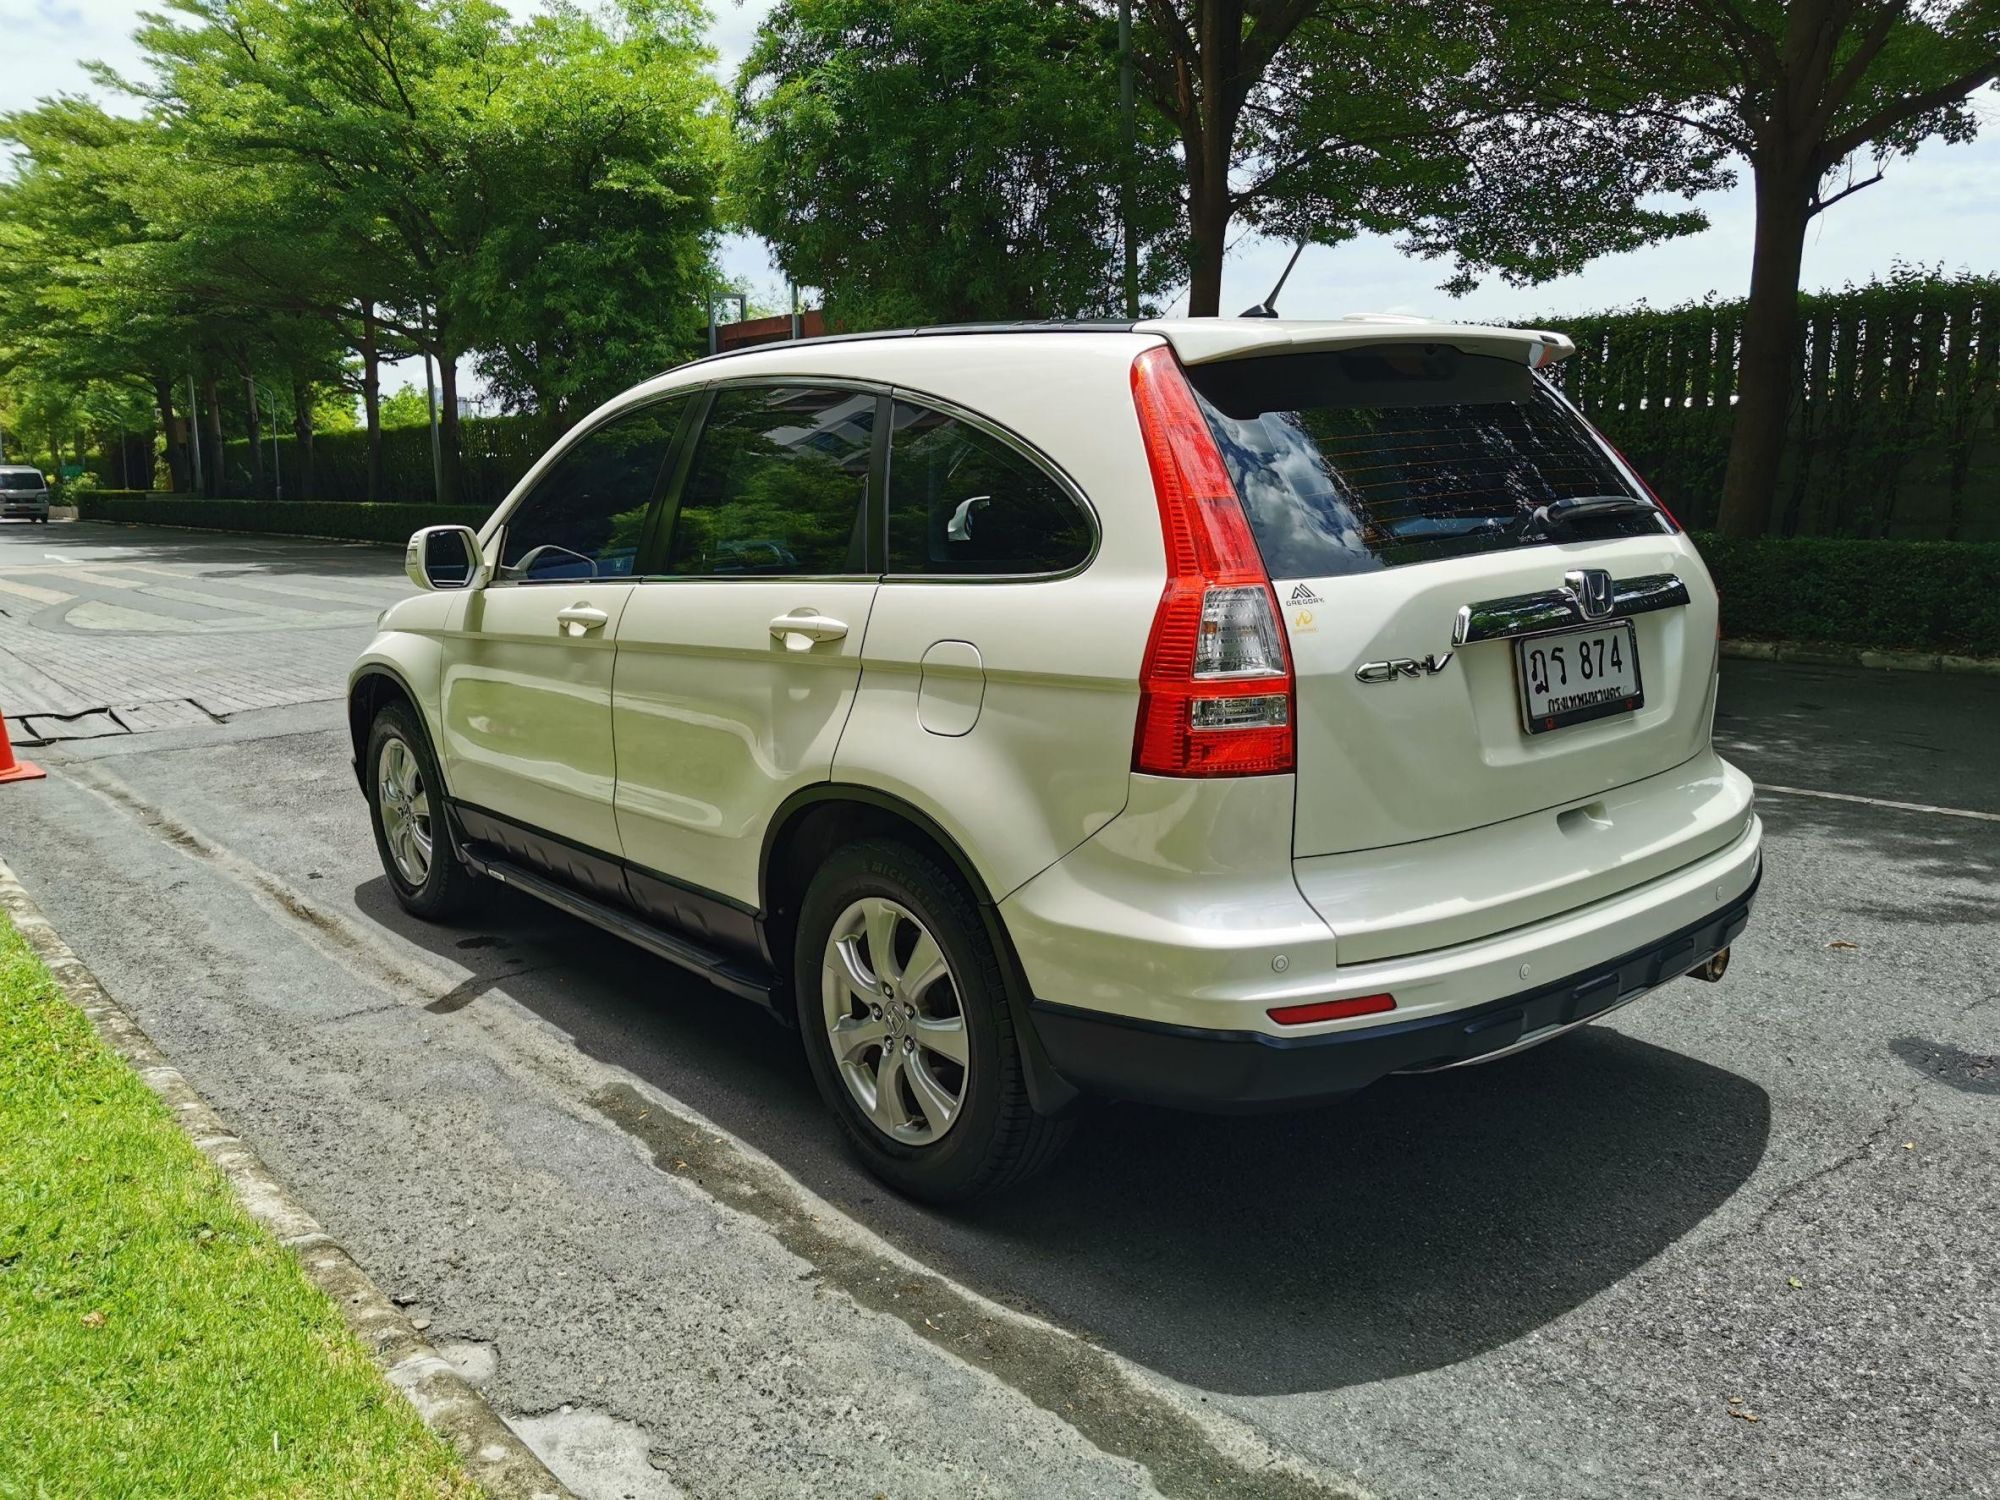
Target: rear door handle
point(802, 629)
point(579, 618)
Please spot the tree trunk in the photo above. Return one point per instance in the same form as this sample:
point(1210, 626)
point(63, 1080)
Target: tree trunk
point(1208, 237)
point(302, 436)
point(1768, 367)
point(177, 457)
point(447, 429)
point(371, 399)
point(255, 427)
point(218, 460)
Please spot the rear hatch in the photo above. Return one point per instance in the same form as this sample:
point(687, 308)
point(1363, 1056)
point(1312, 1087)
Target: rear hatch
point(1438, 523)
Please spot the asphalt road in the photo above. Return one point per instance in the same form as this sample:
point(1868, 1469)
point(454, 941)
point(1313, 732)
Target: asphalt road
point(615, 1198)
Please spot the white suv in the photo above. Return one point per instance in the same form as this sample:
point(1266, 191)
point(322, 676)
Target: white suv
point(1221, 713)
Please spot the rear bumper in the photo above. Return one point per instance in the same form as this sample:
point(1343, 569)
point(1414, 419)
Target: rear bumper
point(1198, 1068)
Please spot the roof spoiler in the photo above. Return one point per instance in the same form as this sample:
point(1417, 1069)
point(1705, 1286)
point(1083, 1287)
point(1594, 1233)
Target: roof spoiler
point(1198, 341)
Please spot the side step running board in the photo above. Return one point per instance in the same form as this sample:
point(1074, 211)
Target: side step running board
point(720, 969)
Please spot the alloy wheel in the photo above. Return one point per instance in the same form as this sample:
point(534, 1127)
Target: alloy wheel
point(405, 809)
point(894, 1021)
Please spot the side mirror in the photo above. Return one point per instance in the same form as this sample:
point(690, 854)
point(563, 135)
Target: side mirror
point(445, 557)
point(959, 527)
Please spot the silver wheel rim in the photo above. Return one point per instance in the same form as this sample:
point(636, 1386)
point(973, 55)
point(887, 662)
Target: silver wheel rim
point(405, 809)
point(894, 1021)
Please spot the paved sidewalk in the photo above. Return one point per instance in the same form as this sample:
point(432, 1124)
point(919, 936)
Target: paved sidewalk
point(116, 629)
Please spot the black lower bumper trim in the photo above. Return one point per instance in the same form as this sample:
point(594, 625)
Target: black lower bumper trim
point(1196, 1068)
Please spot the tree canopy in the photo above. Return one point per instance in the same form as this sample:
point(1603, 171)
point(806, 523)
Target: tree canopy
point(946, 160)
point(1815, 96)
point(312, 186)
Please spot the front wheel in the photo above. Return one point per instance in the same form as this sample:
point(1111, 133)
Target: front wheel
point(903, 1007)
point(412, 833)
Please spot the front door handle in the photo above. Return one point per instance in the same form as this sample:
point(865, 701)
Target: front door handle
point(802, 629)
point(580, 618)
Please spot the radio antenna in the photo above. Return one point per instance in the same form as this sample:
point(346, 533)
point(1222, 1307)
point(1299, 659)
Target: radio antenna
point(1268, 308)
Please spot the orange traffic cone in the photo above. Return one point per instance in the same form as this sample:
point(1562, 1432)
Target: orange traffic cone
point(12, 769)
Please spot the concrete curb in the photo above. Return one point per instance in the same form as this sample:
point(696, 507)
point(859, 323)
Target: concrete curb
point(1857, 656)
point(492, 1455)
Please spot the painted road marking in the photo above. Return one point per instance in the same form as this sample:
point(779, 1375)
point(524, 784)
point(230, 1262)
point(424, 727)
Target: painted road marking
point(32, 594)
point(1922, 807)
point(288, 589)
point(256, 607)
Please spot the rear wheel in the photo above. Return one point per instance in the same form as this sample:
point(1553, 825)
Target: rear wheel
point(412, 833)
point(902, 1004)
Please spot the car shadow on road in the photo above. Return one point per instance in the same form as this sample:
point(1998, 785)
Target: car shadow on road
point(1420, 1224)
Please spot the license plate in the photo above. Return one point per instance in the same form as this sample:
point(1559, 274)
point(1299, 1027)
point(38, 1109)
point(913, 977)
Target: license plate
point(1570, 676)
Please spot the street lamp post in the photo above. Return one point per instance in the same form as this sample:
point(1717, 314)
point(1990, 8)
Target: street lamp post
point(1131, 156)
point(270, 407)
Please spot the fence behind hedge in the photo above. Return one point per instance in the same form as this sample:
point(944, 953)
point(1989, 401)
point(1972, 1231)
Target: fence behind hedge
point(493, 453)
point(386, 522)
point(1892, 431)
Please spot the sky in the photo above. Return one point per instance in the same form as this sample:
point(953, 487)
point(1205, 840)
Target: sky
point(1940, 208)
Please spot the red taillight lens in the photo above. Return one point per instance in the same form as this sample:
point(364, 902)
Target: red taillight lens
point(1216, 686)
point(1332, 1010)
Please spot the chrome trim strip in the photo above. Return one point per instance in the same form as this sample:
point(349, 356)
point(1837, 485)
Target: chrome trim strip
point(1527, 614)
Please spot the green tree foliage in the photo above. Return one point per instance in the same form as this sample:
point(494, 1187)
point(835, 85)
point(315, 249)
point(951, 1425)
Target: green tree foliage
point(946, 160)
point(407, 406)
point(1816, 96)
point(613, 145)
point(316, 186)
point(1318, 119)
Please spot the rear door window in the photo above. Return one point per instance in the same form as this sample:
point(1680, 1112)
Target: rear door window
point(964, 503)
point(778, 484)
point(1369, 458)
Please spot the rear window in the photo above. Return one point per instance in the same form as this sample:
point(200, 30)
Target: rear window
point(21, 481)
point(1371, 458)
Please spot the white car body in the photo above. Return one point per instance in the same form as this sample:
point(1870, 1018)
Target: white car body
point(1497, 886)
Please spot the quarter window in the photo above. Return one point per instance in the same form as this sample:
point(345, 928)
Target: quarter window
point(778, 485)
point(583, 519)
point(962, 502)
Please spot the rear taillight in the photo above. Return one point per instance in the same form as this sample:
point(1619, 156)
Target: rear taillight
point(1216, 687)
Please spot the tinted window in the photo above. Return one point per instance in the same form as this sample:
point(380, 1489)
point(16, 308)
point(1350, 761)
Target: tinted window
point(778, 484)
point(20, 481)
point(1394, 454)
point(583, 518)
point(964, 502)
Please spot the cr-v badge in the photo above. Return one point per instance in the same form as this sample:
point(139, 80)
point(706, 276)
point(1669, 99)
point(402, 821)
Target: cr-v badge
point(1402, 666)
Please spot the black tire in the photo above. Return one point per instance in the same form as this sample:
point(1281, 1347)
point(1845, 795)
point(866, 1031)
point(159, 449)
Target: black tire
point(997, 1138)
point(448, 889)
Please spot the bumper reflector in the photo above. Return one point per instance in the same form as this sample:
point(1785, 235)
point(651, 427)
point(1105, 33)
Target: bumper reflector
point(1332, 1010)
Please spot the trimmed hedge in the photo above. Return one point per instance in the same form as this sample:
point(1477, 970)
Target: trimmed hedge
point(1915, 596)
point(337, 519)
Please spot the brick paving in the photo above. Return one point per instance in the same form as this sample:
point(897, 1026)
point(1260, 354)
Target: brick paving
point(116, 629)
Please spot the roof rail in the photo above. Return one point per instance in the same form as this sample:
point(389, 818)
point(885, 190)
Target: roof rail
point(934, 331)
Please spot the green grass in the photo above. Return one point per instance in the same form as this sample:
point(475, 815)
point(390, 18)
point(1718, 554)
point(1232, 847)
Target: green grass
point(153, 1340)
